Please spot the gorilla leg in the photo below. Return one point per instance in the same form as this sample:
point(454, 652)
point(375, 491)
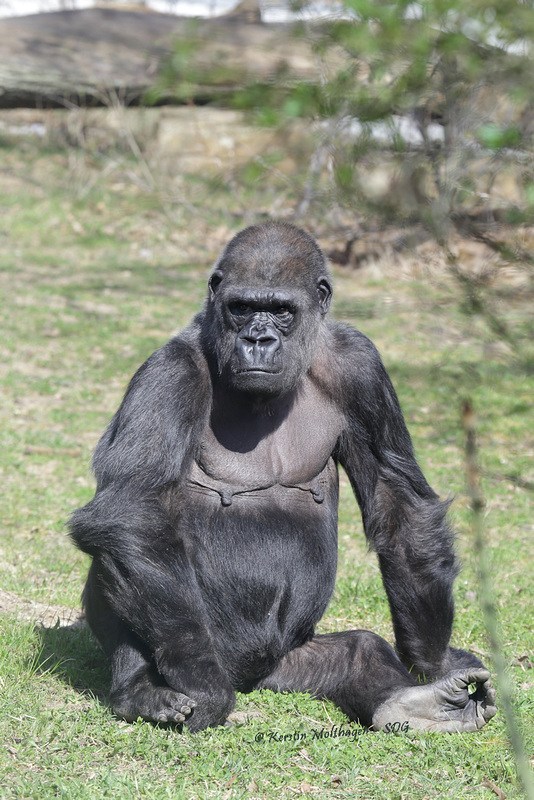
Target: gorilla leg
point(361, 673)
point(357, 670)
point(137, 689)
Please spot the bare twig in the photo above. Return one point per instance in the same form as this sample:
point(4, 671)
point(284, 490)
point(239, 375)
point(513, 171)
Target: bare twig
point(489, 609)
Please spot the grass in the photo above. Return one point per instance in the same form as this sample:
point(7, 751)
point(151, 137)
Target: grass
point(95, 274)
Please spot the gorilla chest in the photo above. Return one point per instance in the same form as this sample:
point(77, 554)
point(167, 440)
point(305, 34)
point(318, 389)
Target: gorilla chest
point(290, 447)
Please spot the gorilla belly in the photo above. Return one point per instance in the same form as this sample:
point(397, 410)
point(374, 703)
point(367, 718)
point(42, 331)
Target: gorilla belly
point(265, 567)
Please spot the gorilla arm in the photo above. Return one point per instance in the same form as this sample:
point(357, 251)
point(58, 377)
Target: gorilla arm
point(143, 569)
point(403, 518)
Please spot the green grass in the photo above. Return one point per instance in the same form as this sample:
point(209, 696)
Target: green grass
point(92, 282)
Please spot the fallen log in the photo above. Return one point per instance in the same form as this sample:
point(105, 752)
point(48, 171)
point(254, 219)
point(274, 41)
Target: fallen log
point(85, 56)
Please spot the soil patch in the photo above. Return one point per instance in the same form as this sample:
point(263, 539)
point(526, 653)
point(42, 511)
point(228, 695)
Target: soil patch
point(47, 616)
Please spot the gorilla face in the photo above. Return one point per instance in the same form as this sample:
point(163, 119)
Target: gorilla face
point(266, 358)
point(265, 310)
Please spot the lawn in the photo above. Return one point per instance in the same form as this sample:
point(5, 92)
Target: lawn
point(97, 272)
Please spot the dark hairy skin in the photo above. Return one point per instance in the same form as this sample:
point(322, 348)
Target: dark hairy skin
point(213, 529)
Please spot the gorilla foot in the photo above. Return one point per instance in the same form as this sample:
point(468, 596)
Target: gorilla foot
point(444, 706)
point(143, 699)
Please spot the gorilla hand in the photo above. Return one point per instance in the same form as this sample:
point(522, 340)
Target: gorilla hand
point(202, 679)
point(155, 701)
point(141, 698)
point(444, 706)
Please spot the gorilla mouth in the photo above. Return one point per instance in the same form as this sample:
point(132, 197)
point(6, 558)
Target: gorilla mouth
point(259, 370)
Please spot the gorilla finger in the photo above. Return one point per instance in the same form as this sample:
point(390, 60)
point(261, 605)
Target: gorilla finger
point(186, 702)
point(462, 678)
point(481, 675)
point(489, 705)
point(484, 692)
point(491, 693)
point(170, 716)
point(182, 705)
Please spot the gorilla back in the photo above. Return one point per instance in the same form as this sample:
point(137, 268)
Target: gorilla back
point(213, 529)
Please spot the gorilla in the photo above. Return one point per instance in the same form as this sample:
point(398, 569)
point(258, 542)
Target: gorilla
point(213, 530)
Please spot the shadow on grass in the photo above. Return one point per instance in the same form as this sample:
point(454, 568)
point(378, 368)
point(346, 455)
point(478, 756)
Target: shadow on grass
point(72, 654)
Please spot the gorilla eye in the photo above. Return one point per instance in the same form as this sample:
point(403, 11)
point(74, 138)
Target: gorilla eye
point(284, 313)
point(240, 309)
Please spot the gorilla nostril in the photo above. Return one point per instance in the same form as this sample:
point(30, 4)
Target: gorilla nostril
point(256, 335)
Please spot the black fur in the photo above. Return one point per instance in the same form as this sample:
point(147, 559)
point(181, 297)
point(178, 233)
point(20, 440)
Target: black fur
point(213, 529)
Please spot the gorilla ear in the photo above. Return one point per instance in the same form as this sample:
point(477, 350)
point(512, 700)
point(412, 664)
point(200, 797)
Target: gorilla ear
point(324, 290)
point(215, 279)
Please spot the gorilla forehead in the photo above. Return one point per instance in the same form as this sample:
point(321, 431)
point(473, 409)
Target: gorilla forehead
point(275, 254)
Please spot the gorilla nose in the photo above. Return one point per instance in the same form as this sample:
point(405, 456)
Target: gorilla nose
point(258, 333)
point(258, 345)
point(261, 337)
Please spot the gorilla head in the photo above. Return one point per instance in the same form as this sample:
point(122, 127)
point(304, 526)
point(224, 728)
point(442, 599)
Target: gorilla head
point(268, 296)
